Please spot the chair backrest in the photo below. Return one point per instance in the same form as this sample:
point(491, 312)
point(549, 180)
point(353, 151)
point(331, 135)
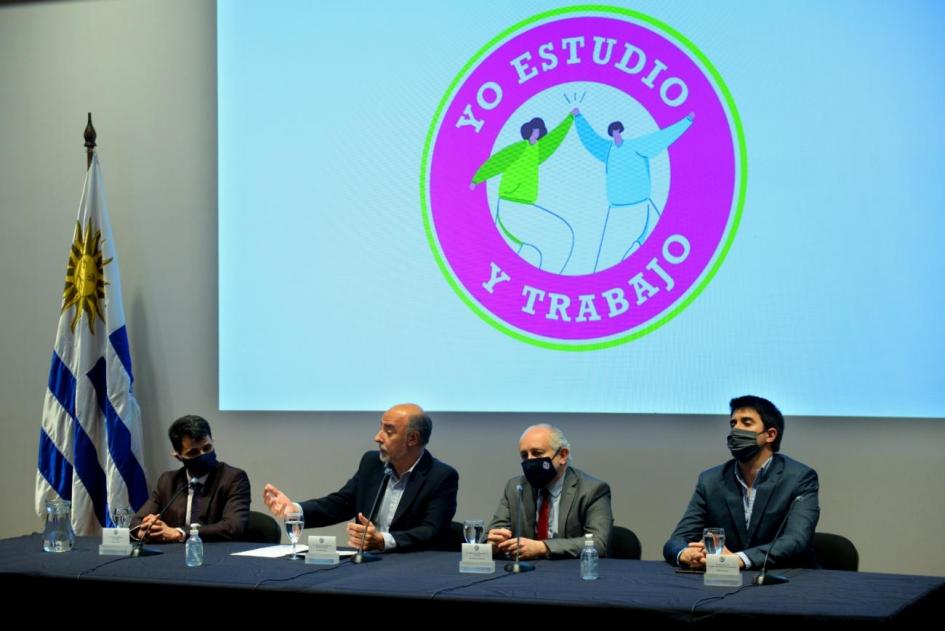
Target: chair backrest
point(456, 537)
point(262, 528)
point(836, 552)
point(624, 544)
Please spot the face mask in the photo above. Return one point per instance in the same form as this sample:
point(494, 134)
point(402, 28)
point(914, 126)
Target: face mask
point(539, 472)
point(201, 465)
point(743, 444)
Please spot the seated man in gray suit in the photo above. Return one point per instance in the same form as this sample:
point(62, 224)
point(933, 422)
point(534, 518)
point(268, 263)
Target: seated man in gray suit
point(560, 503)
point(750, 496)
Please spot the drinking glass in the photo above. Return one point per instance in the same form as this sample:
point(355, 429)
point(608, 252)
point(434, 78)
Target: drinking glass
point(474, 530)
point(293, 526)
point(714, 540)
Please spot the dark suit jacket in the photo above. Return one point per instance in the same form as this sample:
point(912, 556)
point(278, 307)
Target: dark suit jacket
point(222, 502)
point(717, 502)
point(584, 507)
point(422, 520)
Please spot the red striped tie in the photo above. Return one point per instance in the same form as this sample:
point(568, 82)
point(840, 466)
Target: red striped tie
point(543, 513)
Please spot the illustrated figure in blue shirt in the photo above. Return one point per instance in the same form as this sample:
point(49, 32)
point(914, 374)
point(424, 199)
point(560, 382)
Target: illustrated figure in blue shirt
point(627, 169)
point(526, 226)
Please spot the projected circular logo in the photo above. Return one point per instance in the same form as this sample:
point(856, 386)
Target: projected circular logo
point(583, 178)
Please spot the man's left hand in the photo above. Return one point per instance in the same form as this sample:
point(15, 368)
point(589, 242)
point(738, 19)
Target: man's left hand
point(373, 540)
point(727, 552)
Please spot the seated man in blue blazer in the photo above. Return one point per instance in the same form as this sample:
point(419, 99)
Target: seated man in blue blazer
point(750, 496)
point(415, 494)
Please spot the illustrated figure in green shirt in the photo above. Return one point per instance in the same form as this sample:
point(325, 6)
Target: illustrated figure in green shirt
point(527, 227)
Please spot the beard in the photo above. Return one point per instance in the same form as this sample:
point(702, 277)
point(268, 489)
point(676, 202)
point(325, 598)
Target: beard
point(383, 456)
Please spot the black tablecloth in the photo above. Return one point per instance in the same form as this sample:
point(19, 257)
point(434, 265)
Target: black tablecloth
point(643, 591)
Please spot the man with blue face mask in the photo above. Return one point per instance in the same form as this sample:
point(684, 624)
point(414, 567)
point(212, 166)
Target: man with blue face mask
point(559, 503)
point(750, 497)
point(204, 491)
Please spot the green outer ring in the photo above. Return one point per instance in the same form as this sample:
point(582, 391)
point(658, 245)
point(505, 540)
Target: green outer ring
point(676, 310)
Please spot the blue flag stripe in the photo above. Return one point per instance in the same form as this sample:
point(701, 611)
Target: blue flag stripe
point(62, 384)
point(119, 339)
point(54, 466)
point(119, 439)
point(85, 461)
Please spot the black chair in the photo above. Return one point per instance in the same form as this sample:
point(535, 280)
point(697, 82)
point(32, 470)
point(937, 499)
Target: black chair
point(262, 528)
point(456, 537)
point(624, 544)
point(836, 552)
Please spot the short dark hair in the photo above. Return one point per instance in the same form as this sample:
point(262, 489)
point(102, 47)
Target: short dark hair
point(770, 414)
point(614, 126)
point(532, 125)
point(422, 424)
point(191, 425)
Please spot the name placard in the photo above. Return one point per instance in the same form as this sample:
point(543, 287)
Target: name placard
point(721, 570)
point(321, 551)
point(115, 542)
point(477, 559)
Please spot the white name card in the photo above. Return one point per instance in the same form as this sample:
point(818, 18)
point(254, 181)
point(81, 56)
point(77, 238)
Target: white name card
point(477, 559)
point(115, 542)
point(321, 551)
point(721, 570)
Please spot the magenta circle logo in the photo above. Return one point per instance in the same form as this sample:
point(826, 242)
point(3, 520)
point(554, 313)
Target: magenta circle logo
point(583, 178)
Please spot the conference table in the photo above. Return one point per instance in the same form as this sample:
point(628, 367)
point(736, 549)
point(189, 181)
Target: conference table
point(429, 583)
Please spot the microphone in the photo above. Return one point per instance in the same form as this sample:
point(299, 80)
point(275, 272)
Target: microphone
point(517, 567)
point(361, 556)
point(137, 550)
point(775, 579)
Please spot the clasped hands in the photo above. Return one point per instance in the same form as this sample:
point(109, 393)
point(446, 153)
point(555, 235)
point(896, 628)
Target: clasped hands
point(152, 528)
point(693, 556)
point(503, 542)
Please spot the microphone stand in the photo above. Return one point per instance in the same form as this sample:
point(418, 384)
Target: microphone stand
point(516, 566)
point(764, 578)
point(137, 548)
point(367, 557)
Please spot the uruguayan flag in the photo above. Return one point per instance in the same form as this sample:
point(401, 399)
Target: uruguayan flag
point(90, 444)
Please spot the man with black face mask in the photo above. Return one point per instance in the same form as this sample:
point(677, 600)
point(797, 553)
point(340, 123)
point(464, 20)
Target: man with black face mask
point(560, 503)
point(203, 491)
point(750, 496)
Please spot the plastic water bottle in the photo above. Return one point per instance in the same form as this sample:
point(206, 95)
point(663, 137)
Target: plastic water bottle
point(589, 559)
point(193, 549)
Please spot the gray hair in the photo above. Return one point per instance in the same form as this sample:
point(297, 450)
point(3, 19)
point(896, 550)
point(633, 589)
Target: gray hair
point(558, 439)
point(422, 424)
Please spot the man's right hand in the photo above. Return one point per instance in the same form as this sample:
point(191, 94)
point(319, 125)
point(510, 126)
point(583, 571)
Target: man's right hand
point(693, 556)
point(498, 535)
point(276, 501)
point(142, 529)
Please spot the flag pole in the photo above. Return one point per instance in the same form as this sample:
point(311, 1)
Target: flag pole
point(90, 136)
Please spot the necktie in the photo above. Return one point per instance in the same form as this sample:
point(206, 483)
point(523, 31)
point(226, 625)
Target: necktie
point(193, 503)
point(541, 533)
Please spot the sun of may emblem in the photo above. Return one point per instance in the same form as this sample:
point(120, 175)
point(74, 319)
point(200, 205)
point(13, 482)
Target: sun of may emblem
point(85, 276)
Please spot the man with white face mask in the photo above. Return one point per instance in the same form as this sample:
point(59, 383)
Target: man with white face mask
point(560, 503)
point(750, 496)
